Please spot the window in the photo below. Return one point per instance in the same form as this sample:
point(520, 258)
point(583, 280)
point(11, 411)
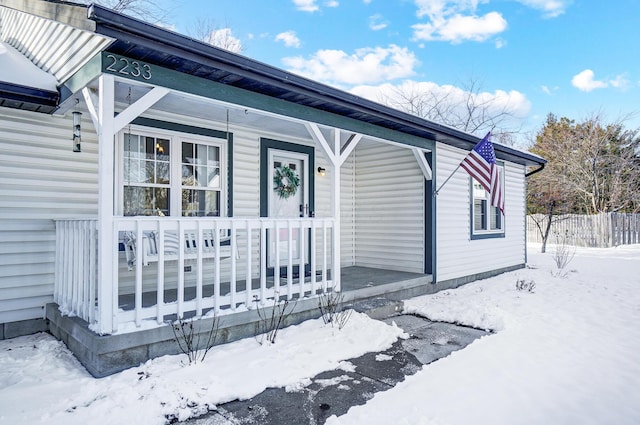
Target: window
point(172, 174)
point(486, 221)
point(200, 180)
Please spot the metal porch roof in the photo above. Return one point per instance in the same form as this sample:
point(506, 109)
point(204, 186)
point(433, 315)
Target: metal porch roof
point(55, 47)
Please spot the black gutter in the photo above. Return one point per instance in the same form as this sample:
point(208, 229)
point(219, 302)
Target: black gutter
point(537, 170)
point(19, 93)
point(128, 29)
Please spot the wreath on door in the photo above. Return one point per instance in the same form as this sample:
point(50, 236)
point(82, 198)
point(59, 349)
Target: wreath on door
point(286, 182)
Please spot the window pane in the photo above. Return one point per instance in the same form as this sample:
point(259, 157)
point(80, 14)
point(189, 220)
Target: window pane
point(162, 172)
point(145, 201)
point(496, 219)
point(188, 177)
point(200, 203)
point(213, 179)
point(479, 214)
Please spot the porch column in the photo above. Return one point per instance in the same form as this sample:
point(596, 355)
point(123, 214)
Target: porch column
point(107, 260)
point(335, 203)
point(337, 156)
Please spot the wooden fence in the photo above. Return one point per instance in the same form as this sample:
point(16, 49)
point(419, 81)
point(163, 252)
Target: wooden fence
point(600, 230)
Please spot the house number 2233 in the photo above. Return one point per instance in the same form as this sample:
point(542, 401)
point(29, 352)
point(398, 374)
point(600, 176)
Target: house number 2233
point(126, 66)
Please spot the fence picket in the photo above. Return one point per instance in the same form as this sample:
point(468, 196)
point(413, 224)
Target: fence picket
point(599, 230)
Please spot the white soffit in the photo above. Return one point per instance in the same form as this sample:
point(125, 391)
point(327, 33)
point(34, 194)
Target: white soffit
point(56, 48)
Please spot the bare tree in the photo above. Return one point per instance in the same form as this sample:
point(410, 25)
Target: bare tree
point(146, 10)
point(207, 31)
point(592, 167)
point(466, 108)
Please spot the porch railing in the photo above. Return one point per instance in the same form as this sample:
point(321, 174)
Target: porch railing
point(76, 268)
point(167, 268)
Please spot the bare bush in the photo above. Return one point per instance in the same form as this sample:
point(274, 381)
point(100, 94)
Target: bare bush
point(563, 254)
point(332, 309)
point(525, 285)
point(269, 324)
point(194, 342)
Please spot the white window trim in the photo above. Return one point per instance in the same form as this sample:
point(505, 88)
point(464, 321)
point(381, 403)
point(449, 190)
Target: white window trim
point(175, 141)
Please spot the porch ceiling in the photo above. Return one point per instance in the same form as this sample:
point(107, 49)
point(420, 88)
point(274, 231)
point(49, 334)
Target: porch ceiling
point(128, 92)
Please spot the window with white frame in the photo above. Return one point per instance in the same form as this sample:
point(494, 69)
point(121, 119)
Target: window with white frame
point(172, 174)
point(486, 220)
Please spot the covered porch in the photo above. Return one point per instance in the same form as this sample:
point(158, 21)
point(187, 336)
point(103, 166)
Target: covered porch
point(121, 272)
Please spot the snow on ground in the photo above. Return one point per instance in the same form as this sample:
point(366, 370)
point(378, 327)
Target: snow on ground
point(566, 353)
point(42, 383)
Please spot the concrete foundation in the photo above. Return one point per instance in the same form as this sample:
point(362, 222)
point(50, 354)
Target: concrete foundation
point(378, 293)
point(22, 327)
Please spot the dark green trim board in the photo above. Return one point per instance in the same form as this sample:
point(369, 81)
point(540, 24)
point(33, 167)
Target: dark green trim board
point(429, 218)
point(186, 83)
point(181, 128)
point(201, 131)
point(433, 162)
point(230, 174)
point(89, 72)
point(265, 145)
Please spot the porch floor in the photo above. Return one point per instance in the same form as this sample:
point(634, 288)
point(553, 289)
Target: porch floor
point(357, 283)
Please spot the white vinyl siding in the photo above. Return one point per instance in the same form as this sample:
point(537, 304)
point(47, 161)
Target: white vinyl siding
point(458, 255)
point(41, 179)
point(389, 208)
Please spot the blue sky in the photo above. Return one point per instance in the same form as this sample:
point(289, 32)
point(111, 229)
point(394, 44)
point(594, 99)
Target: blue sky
point(572, 58)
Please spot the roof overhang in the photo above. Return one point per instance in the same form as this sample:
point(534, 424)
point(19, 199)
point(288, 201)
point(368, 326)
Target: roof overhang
point(55, 47)
point(142, 41)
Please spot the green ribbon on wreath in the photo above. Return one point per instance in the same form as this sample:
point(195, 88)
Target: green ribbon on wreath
point(286, 182)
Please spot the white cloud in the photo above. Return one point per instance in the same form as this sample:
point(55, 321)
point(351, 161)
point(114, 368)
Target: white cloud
point(289, 38)
point(620, 82)
point(306, 5)
point(458, 28)
point(500, 101)
point(225, 39)
point(456, 21)
point(550, 8)
point(332, 3)
point(585, 81)
point(364, 66)
point(377, 22)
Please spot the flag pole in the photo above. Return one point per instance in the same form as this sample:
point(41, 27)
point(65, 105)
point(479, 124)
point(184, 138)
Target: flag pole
point(445, 182)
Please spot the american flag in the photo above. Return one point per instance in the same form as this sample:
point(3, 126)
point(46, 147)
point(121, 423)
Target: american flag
point(481, 165)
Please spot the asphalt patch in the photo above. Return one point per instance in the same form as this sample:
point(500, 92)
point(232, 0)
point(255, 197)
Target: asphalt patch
point(334, 392)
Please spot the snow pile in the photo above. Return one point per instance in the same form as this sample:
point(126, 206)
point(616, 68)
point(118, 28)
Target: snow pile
point(41, 382)
point(566, 353)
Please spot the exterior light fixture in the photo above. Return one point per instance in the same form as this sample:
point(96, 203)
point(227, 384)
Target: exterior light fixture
point(77, 136)
point(321, 171)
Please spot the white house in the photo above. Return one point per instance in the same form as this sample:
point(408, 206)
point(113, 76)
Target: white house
point(146, 176)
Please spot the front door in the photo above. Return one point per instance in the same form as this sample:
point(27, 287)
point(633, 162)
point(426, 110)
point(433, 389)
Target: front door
point(287, 193)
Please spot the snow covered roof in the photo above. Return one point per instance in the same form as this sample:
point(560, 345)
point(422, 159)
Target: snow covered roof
point(55, 47)
point(38, 53)
point(16, 69)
